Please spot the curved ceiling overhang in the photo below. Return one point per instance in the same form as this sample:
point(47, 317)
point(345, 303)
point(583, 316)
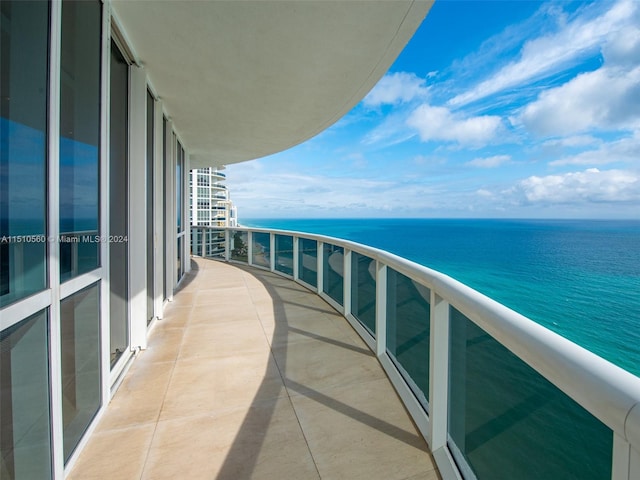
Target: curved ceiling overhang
point(244, 79)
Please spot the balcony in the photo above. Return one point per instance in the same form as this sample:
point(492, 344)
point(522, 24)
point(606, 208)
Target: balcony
point(288, 358)
point(250, 375)
point(495, 394)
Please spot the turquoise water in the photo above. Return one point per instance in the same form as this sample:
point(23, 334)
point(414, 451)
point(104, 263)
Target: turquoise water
point(579, 278)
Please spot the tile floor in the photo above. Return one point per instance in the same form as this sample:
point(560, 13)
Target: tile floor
point(251, 376)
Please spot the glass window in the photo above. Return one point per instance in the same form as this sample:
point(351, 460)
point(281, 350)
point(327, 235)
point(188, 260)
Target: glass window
point(150, 206)
point(79, 137)
point(23, 146)
point(308, 261)
point(239, 246)
point(508, 421)
point(179, 170)
point(333, 272)
point(25, 446)
point(166, 288)
point(118, 204)
point(179, 208)
point(284, 254)
point(363, 290)
point(408, 330)
point(179, 257)
point(261, 249)
point(80, 347)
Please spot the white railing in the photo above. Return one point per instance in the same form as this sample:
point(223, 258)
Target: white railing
point(607, 392)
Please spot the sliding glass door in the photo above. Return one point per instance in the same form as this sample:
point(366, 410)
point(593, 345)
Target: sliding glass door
point(118, 203)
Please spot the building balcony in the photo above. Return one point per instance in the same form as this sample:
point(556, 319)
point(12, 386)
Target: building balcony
point(315, 357)
point(250, 375)
point(494, 394)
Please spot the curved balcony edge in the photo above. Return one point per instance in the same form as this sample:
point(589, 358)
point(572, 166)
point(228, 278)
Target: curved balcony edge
point(608, 392)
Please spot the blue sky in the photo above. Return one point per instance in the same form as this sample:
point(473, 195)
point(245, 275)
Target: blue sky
point(505, 109)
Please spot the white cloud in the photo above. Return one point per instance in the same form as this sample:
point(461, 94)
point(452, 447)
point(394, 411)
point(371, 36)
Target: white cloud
point(439, 123)
point(572, 142)
point(625, 150)
point(589, 186)
point(551, 53)
point(396, 88)
point(623, 47)
point(391, 131)
point(604, 99)
point(489, 162)
point(484, 193)
point(277, 192)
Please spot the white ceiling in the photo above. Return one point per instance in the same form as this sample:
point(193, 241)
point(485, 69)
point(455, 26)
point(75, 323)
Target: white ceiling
point(245, 79)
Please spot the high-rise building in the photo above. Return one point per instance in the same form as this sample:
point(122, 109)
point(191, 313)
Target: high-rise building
point(210, 204)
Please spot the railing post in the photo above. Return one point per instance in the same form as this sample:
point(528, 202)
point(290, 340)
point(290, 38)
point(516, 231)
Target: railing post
point(439, 372)
point(346, 278)
point(249, 247)
point(625, 460)
point(296, 267)
point(381, 308)
point(227, 245)
point(320, 266)
point(272, 252)
point(634, 464)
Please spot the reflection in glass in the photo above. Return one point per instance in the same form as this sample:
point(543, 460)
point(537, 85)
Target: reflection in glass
point(308, 261)
point(150, 208)
point(166, 288)
point(179, 207)
point(261, 249)
point(207, 242)
point(179, 170)
point(507, 421)
point(284, 254)
point(80, 337)
point(23, 126)
point(363, 290)
point(408, 331)
point(118, 204)
point(79, 137)
point(239, 246)
point(179, 257)
point(333, 272)
point(25, 446)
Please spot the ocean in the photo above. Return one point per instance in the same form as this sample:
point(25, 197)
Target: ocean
point(579, 278)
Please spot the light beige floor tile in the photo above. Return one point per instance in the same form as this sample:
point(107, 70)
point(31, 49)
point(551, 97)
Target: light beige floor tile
point(139, 398)
point(224, 313)
point(116, 454)
point(426, 475)
point(185, 298)
point(174, 316)
point(318, 327)
point(262, 441)
point(318, 365)
point(163, 345)
point(219, 384)
point(376, 439)
point(223, 340)
point(222, 296)
point(146, 377)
